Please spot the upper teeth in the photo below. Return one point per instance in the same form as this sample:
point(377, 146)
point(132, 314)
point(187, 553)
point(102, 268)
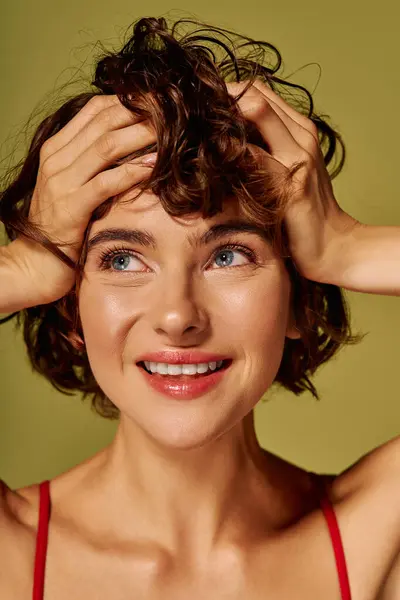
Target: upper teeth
point(167, 369)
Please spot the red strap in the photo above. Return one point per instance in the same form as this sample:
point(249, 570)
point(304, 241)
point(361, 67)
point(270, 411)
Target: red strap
point(43, 530)
point(41, 541)
point(337, 543)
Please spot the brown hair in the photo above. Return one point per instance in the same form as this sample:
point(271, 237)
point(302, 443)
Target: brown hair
point(178, 83)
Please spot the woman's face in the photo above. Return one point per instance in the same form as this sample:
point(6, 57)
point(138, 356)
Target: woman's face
point(168, 289)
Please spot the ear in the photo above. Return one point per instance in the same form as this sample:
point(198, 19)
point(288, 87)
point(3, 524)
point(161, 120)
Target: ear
point(75, 340)
point(291, 331)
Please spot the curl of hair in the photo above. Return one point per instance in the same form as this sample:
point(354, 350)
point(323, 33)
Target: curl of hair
point(177, 82)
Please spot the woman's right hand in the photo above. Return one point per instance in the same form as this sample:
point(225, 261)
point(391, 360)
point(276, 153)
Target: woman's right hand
point(74, 178)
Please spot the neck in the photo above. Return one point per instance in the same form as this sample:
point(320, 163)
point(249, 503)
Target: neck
point(194, 498)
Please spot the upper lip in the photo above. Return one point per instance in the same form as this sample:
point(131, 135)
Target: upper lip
point(181, 357)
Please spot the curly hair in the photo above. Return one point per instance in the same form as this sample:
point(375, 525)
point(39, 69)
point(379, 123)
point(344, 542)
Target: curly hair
point(178, 82)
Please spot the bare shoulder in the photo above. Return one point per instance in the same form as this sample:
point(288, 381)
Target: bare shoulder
point(366, 497)
point(18, 524)
point(21, 505)
point(379, 467)
point(19, 511)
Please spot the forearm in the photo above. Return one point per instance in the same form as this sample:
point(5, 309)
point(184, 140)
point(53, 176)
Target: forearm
point(367, 259)
point(10, 292)
point(15, 291)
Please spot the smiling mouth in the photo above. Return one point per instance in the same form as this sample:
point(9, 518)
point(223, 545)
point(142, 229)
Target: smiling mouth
point(181, 377)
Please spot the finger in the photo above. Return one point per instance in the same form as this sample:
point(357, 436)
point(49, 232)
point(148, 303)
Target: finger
point(109, 184)
point(105, 151)
point(111, 118)
point(301, 135)
point(257, 109)
point(95, 105)
point(299, 126)
point(296, 116)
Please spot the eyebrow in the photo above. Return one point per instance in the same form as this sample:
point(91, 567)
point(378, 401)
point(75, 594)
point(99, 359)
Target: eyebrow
point(146, 239)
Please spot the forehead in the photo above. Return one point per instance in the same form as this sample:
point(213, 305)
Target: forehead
point(146, 223)
point(147, 211)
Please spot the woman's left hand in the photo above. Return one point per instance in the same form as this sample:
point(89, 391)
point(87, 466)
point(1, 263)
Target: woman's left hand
point(315, 222)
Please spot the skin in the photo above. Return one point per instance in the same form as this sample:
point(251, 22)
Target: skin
point(185, 499)
point(195, 451)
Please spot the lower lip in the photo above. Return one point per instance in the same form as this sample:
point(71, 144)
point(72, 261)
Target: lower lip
point(183, 390)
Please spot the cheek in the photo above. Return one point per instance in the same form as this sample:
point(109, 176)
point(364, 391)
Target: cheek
point(252, 314)
point(104, 317)
point(259, 311)
point(263, 328)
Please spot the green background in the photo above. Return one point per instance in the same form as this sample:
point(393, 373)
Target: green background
point(347, 54)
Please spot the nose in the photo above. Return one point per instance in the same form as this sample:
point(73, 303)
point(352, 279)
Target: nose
point(178, 311)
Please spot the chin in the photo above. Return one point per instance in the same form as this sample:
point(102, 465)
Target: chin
point(185, 426)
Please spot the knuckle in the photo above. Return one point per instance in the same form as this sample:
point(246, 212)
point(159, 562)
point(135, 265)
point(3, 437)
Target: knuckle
point(311, 141)
point(110, 119)
point(52, 185)
point(130, 168)
point(306, 157)
point(113, 117)
point(105, 146)
point(96, 102)
point(100, 184)
point(102, 119)
point(96, 105)
point(48, 167)
point(313, 129)
point(46, 149)
point(259, 107)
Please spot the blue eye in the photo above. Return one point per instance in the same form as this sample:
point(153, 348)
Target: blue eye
point(228, 254)
point(118, 259)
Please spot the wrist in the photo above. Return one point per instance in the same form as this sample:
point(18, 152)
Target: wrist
point(12, 293)
point(340, 251)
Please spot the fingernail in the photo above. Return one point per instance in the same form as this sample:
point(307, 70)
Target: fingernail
point(149, 159)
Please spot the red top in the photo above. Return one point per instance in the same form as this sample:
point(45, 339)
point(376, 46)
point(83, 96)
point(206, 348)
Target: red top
point(43, 529)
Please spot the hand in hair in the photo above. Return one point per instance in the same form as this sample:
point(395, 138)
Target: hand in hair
point(74, 178)
point(315, 222)
point(205, 154)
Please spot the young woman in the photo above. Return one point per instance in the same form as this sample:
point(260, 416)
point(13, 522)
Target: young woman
point(175, 295)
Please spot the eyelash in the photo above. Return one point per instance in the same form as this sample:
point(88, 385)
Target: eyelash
point(107, 255)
